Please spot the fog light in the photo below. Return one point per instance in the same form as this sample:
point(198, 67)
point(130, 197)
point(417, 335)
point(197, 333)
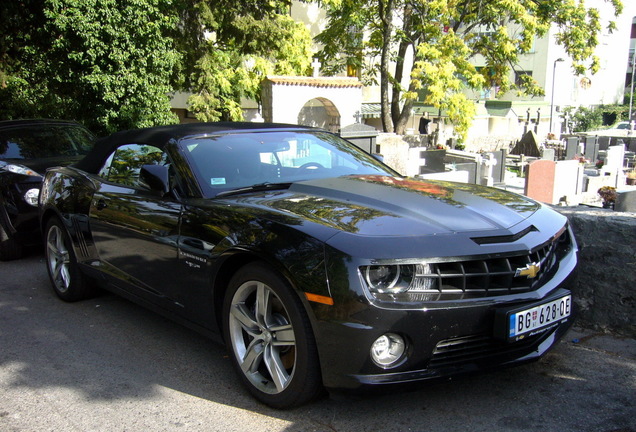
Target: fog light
point(31, 197)
point(388, 350)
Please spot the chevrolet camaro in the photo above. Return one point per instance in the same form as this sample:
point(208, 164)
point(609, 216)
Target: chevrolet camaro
point(319, 266)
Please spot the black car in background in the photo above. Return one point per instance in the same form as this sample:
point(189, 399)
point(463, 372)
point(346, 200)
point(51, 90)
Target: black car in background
point(27, 149)
point(320, 266)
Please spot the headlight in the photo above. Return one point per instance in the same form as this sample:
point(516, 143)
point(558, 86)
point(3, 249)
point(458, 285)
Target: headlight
point(31, 196)
point(20, 169)
point(399, 278)
point(388, 278)
point(388, 350)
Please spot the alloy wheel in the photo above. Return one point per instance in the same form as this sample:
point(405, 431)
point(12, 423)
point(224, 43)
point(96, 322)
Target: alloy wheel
point(58, 259)
point(262, 337)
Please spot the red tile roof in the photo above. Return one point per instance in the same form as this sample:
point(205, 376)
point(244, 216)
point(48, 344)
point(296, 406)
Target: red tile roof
point(340, 82)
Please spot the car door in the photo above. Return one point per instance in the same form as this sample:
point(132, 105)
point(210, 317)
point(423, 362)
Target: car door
point(136, 229)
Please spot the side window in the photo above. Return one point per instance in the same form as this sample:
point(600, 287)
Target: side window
point(124, 164)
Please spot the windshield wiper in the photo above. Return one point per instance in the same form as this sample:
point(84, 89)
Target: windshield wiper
point(255, 188)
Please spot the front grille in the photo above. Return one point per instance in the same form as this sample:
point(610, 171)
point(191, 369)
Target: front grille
point(474, 349)
point(493, 276)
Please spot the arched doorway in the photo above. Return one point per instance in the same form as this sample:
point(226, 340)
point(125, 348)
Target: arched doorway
point(320, 112)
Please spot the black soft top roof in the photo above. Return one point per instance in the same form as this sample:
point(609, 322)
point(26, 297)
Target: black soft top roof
point(160, 136)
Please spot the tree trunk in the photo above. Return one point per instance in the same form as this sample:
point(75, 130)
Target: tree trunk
point(386, 15)
point(397, 87)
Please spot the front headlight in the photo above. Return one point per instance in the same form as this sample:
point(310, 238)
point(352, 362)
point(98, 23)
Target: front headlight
point(388, 278)
point(20, 169)
point(400, 278)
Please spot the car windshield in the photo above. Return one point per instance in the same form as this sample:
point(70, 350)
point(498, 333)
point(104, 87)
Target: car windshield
point(38, 142)
point(239, 160)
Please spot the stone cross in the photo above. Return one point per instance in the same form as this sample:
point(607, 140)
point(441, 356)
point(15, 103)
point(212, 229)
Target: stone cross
point(357, 116)
point(315, 64)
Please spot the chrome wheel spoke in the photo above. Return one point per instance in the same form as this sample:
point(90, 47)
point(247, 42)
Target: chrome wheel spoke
point(244, 317)
point(277, 371)
point(263, 312)
point(253, 357)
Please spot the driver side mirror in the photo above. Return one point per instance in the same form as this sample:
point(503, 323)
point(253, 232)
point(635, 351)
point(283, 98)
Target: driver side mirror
point(157, 178)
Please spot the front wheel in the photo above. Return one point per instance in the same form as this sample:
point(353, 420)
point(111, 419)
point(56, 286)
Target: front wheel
point(269, 338)
point(69, 283)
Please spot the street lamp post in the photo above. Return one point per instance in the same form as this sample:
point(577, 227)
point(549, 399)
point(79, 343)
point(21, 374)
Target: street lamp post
point(552, 98)
point(631, 93)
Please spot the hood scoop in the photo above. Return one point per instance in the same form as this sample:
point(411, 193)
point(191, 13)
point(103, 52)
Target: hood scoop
point(510, 238)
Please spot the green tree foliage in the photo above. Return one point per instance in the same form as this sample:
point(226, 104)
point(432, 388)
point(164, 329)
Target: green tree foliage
point(584, 119)
point(106, 63)
point(112, 64)
point(445, 36)
point(235, 45)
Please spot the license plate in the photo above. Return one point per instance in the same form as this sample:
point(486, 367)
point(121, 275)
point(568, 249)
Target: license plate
point(528, 322)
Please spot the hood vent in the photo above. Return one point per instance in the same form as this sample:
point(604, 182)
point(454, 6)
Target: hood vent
point(505, 238)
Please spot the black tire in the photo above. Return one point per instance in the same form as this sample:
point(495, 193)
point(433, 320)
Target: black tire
point(272, 348)
point(69, 283)
point(10, 248)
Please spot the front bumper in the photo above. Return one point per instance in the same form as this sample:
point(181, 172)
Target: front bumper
point(444, 338)
point(441, 343)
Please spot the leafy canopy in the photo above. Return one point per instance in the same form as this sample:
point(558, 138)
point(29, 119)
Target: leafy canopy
point(446, 36)
point(106, 63)
point(239, 43)
point(112, 64)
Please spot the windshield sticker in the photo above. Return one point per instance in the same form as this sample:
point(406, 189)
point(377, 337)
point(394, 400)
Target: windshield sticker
point(217, 181)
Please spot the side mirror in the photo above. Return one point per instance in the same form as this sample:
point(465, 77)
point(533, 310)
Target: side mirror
point(156, 177)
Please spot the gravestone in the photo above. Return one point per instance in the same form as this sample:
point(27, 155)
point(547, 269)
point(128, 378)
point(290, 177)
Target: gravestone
point(540, 181)
point(591, 149)
point(571, 148)
point(625, 201)
point(603, 142)
point(548, 154)
point(433, 161)
point(362, 135)
point(499, 170)
point(614, 159)
point(554, 182)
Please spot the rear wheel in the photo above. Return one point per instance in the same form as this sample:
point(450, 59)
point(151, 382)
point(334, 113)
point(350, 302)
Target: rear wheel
point(270, 339)
point(69, 283)
point(10, 248)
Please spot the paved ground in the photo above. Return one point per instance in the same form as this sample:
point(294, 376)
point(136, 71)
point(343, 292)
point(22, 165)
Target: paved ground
point(108, 365)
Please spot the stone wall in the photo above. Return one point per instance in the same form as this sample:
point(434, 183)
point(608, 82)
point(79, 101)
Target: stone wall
point(605, 290)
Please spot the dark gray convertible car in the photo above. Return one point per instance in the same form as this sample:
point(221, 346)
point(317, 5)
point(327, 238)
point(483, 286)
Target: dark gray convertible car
point(318, 265)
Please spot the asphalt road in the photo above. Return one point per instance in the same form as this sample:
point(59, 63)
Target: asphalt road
point(109, 365)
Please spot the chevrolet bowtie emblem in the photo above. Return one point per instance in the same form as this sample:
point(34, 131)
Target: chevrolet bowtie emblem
point(530, 270)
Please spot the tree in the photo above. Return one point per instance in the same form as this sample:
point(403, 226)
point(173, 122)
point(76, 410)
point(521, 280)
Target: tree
point(445, 35)
point(111, 64)
point(234, 45)
point(106, 63)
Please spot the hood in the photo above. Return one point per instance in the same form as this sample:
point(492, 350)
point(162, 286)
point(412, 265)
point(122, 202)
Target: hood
point(397, 207)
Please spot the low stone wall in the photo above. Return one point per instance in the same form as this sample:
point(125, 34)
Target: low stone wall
point(605, 290)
